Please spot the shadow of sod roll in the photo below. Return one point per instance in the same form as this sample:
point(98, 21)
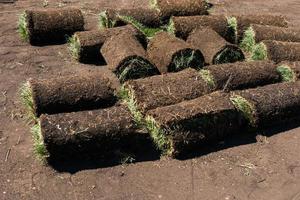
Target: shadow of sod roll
point(85, 46)
point(127, 58)
point(178, 128)
point(277, 51)
point(171, 54)
point(215, 49)
point(88, 133)
point(50, 26)
point(67, 94)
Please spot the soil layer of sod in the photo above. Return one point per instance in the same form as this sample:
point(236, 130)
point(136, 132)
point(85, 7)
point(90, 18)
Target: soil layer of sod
point(70, 93)
point(167, 89)
point(88, 133)
point(269, 105)
point(184, 25)
point(215, 49)
point(171, 54)
point(85, 46)
point(41, 27)
point(178, 128)
point(126, 57)
point(277, 51)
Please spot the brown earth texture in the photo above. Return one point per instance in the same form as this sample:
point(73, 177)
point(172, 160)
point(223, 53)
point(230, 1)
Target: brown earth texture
point(262, 166)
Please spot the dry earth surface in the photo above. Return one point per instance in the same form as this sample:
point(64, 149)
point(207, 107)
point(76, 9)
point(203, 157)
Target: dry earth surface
point(263, 166)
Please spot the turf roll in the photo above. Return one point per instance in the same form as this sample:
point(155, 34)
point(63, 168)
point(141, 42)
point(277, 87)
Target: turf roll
point(269, 105)
point(40, 27)
point(68, 93)
point(277, 51)
point(215, 49)
point(171, 54)
point(85, 45)
point(167, 89)
point(88, 133)
point(182, 26)
point(176, 129)
point(127, 58)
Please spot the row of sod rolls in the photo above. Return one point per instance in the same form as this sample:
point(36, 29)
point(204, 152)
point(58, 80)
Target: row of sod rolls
point(176, 129)
point(49, 26)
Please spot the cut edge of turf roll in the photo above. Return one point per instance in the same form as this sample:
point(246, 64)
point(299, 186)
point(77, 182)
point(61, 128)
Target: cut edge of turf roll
point(134, 67)
point(74, 46)
point(228, 54)
point(186, 58)
point(23, 27)
point(104, 21)
point(232, 29)
point(286, 73)
point(207, 77)
point(248, 41)
point(246, 108)
point(39, 147)
point(259, 52)
point(26, 97)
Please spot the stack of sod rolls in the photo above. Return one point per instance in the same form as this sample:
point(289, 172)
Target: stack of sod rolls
point(49, 26)
point(178, 128)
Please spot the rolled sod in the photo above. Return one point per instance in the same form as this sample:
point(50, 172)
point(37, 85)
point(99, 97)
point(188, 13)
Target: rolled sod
point(171, 54)
point(169, 8)
point(49, 26)
point(167, 89)
point(85, 46)
point(68, 93)
point(182, 26)
point(269, 105)
point(87, 133)
point(178, 128)
point(277, 51)
point(215, 49)
point(127, 58)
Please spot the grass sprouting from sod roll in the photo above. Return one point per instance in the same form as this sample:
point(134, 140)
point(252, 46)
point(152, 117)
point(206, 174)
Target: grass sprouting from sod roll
point(23, 27)
point(104, 21)
point(74, 46)
point(232, 28)
point(154, 5)
point(286, 73)
point(248, 42)
point(260, 52)
point(26, 98)
point(229, 54)
point(208, 77)
point(171, 27)
point(245, 107)
point(39, 146)
point(184, 59)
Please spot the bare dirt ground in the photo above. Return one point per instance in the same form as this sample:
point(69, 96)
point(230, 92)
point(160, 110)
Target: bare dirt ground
point(264, 166)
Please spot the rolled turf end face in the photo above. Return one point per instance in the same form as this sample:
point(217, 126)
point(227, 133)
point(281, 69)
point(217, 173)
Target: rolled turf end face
point(232, 29)
point(229, 54)
point(208, 77)
point(23, 27)
point(26, 98)
point(159, 137)
point(286, 73)
point(260, 52)
point(74, 47)
point(186, 58)
point(104, 21)
point(248, 41)
point(246, 108)
point(39, 147)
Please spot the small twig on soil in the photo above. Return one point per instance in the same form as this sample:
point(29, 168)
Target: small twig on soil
point(19, 139)
point(227, 83)
point(7, 154)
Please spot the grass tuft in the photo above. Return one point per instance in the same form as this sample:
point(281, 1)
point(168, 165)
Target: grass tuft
point(184, 59)
point(171, 27)
point(154, 5)
point(104, 21)
point(245, 107)
point(248, 42)
point(208, 77)
point(23, 27)
point(38, 143)
point(25, 93)
point(259, 52)
point(286, 73)
point(229, 55)
point(74, 47)
point(232, 26)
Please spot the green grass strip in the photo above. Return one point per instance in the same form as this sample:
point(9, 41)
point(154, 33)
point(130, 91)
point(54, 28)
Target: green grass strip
point(74, 47)
point(248, 42)
point(104, 21)
point(38, 143)
point(26, 97)
point(259, 52)
point(23, 27)
point(207, 77)
point(232, 26)
point(286, 73)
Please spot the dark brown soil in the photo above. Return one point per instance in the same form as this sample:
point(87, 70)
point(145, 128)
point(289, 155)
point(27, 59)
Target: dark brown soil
point(72, 93)
point(163, 50)
point(264, 32)
point(244, 75)
point(282, 51)
point(215, 49)
point(53, 25)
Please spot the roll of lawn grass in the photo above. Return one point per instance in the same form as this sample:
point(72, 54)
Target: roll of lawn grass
point(277, 51)
point(269, 105)
point(85, 46)
point(215, 49)
point(176, 129)
point(168, 8)
point(87, 133)
point(49, 26)
point(256, 33)
point(127, 58)
point(171, 54)
point(67, 94)
point(182, 26)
